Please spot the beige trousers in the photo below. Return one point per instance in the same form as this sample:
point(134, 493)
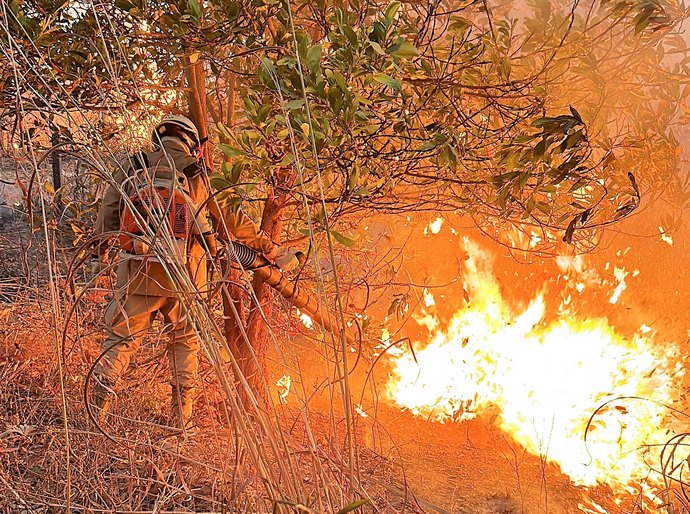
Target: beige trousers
point(129, 317)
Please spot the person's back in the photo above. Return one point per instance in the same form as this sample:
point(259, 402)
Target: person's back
point(164, 232)
point(168, 269)
point(161, 230)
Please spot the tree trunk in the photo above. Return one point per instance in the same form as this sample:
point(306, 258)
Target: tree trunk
point(232, 303)
point(233, 307)
point(57, 169)
point(252, 366)
point(196, 99)
point(257, 330)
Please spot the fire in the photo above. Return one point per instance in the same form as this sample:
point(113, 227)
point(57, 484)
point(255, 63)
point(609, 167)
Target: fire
point(545, 381)
point(665, 237)
point(305, 319)
point(620, 275)
point(434, 226)
point(284, 384)
point(429, 300)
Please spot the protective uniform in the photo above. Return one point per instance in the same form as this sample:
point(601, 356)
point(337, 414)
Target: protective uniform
point(145, 287)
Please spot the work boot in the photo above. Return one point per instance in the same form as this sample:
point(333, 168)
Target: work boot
point(102, 396)
point(181, 406)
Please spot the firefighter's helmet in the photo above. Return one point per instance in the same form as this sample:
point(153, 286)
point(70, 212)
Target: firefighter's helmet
point(181, 127)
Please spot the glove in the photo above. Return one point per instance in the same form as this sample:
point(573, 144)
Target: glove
point(285, 259)
point(211, 244)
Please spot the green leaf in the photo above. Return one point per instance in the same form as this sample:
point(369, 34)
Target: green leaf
point(539, 149)
point(393, 307)
point(573, 139)
point(293, 105)
point(402, 49)
point(362, 192)
point(570, 230)
point(503, 178)
point(525, 138)
point(578, 185)
point(233, 202)
point(345, 241)
point(633, 183)
point(313, 58)
point(232, 11)
point(543, 207)
point(426, 146)
point(372, 128)
point(377, 48)
point(352, 506)
point(391, 11)
point(350, 35)
point(502, 198)
point(125, 5)
point(219, 183)
point(377, 32)
point(384, 79)
point(575, 114)
point(542, 122)
point(353, 178)
point(522, 181)
point(267, 65)
point(235, 172)
point(194, 9)
point(340, 80)
point(643, 19)
point(459, 24)
point(229, 151)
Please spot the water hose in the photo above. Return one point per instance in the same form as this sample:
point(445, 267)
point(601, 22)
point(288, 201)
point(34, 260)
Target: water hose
point(301, 297)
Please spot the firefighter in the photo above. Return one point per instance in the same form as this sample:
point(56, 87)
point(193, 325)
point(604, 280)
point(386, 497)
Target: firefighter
point(146, 283)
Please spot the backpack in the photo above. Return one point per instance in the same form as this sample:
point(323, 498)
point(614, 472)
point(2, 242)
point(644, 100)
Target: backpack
point(158, 212)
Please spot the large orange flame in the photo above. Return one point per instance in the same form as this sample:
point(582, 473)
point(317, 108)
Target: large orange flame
point(546, 380)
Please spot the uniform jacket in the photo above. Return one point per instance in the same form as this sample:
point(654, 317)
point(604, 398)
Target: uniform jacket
point(142, 276)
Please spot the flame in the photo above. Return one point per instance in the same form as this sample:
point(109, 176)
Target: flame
point(665, 237)
point(620, 275)
point(544, 381)
point(305, 319)
point(429, 300)
point(434, 226)
point(385, 336)
point(284, 384)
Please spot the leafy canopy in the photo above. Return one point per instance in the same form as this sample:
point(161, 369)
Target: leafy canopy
point(552, 119)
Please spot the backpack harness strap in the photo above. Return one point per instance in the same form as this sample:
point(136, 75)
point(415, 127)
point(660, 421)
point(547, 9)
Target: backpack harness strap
point(159, 207)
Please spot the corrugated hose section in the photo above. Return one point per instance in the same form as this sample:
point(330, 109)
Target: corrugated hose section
point(242, 254)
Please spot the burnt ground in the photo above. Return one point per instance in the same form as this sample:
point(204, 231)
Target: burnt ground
point(469, 467)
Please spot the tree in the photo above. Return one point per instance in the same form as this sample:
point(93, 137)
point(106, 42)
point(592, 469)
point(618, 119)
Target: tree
point(557, 128)
point(412, 109)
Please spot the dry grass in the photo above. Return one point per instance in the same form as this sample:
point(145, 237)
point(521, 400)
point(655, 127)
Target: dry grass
point(139, 466)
